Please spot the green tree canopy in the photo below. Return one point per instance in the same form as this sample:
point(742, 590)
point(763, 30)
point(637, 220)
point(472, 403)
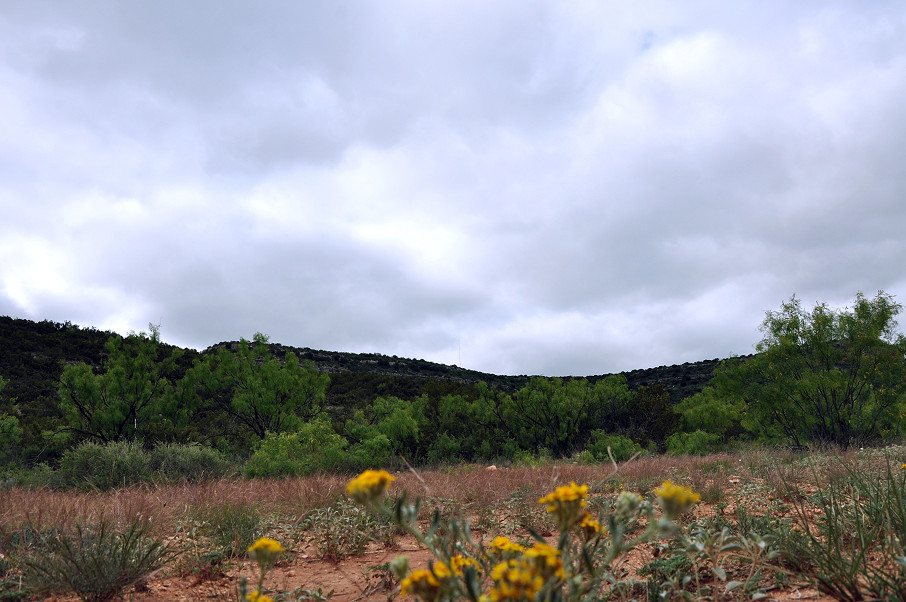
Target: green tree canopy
point(558, 414)
point(828, 376)
point(258, 390)
point(129, 396)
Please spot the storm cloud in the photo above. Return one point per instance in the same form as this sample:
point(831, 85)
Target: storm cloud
point(525, 188)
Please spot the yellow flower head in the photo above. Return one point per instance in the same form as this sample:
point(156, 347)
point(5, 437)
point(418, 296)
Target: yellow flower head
point(515, 579)
point(589, 525)
point(546, 560)
point(903, 467)
point(676, 499)
point(256, 596)
point(566, 503)
point(459, 562)
point(421, 583)
point(503, 545)
point(265, 551)
point(369, 485)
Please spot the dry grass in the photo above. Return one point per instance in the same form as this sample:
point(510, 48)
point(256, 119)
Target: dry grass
point(466, 486)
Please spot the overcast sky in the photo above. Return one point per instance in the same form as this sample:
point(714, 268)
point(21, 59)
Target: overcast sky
point(557, 188)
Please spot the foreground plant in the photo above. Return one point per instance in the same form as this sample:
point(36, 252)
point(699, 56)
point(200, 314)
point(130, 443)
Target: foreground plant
point(585, 563)
point(97, 562)
point(856, 551)
point(265, 552)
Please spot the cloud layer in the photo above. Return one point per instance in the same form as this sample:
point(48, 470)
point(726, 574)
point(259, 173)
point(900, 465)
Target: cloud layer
point(550, 188)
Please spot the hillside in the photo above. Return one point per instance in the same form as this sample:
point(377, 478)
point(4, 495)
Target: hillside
point(33, 354)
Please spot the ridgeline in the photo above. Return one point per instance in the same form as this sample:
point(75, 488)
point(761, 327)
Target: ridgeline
point(33, 354)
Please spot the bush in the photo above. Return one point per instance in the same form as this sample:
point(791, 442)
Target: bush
point(95, 466)
point(314, 447)
point(177, 462)
point(232, 527)
point(696, 443)
point(96, 563)
point(374, 451)
point(343, 529)
point(444, 449)
point(621, 447)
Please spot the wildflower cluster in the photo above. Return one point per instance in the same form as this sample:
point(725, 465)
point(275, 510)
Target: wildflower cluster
point(583, 563)
point(566, 503)
point(264, 552)
point(503, 546)
point(369, 486)
point(676, 499)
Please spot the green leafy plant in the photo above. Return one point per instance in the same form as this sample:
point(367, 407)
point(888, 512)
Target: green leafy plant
point(103, 466)
point(175, 462)
point(96, 562)
point(855, 551)
point(231, 527)
point(312, 447)
point(343, 529)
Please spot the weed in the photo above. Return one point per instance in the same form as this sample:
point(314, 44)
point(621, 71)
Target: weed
point(231, 527)
point(96, 562)
point(343, 529)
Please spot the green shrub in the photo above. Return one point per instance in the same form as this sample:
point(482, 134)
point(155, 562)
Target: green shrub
point(343, 529)
point(444, 449)
point(374, 451)
point(585, 458)
point(96, 563)
point(314, 447)
point(95, 466)
point(621, 447)
point(856, 552)
point(231, 527)
point(695, 443)
point(174, 462)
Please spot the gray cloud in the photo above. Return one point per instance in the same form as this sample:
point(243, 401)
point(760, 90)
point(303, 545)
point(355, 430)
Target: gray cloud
point(534, 188)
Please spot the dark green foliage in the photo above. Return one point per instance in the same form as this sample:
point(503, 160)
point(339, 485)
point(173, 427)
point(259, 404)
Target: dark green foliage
point(10, 432)
point(96, 562)
point(712, 412)
point(313, 447)
point(829, 377)
point(259, 392)
point(93, 465)
point(621, 448)
point(697, 443)
point(175, 462)
point(120, 388)
point(388, 426)
point(131, 394)
point(558, 414)
point(231, 527)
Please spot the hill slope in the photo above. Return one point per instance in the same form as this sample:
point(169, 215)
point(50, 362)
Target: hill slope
point(33, 354)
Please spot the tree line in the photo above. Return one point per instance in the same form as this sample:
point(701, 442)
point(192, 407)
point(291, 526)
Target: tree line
point(822, 376)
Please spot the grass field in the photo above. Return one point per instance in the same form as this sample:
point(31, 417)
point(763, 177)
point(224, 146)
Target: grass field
point(768, 523)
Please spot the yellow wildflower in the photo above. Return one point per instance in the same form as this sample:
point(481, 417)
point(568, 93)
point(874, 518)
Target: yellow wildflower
point(903, 467)
point(442, 571)
point(369, 485)
point(515, 579)
point(421, 583)
point(676, 499)
point(566, 503)
point(503, 545)
point(459, 562)
point(589, 525)
point(265, 551)
point(256, 596)
point(546, 560)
